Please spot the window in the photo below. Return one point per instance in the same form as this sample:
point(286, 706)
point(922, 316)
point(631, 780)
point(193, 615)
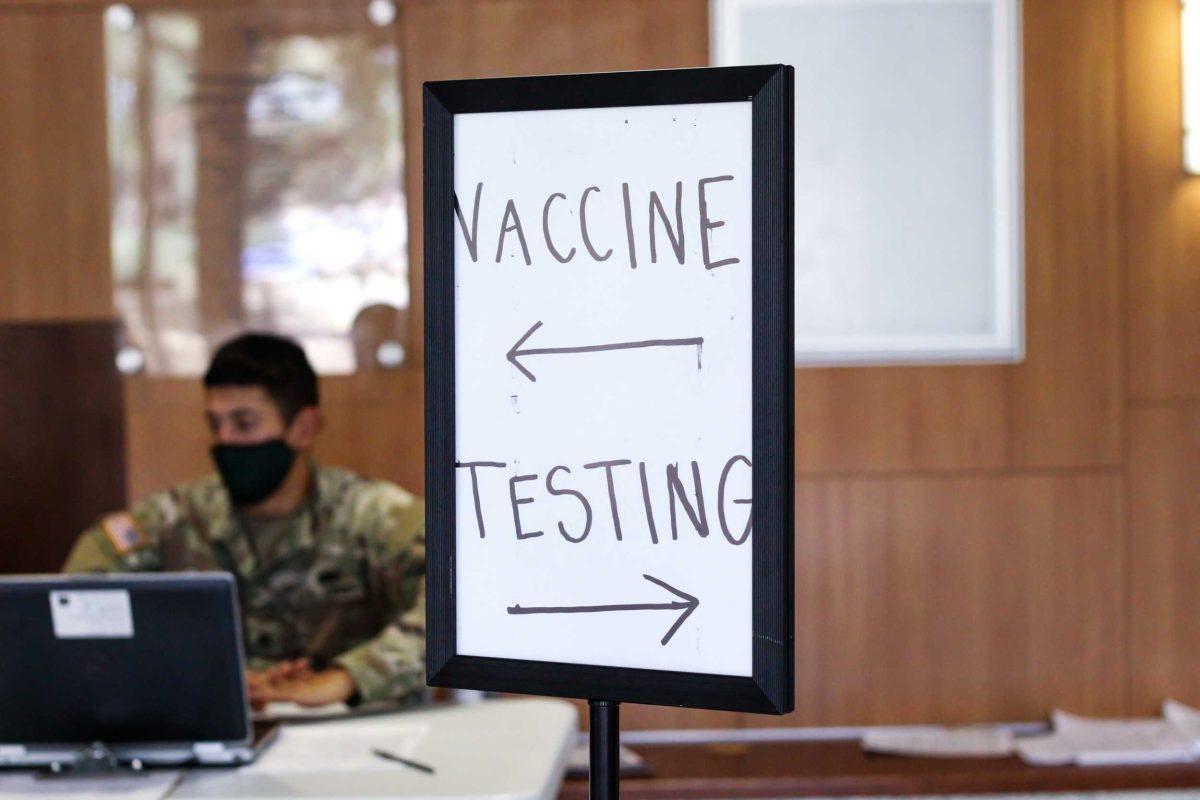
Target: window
point(257, 182)
point(908, 172)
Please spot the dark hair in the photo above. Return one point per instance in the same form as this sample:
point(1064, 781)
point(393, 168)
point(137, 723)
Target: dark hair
point(276, 364)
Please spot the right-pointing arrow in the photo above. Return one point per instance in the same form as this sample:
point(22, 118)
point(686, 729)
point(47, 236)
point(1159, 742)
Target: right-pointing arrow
point(515, 353)
point(687, 603)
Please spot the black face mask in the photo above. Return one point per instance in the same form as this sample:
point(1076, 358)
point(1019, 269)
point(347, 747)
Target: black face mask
point(252, 472)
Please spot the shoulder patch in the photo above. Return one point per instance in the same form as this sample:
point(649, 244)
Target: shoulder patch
point(123, 532)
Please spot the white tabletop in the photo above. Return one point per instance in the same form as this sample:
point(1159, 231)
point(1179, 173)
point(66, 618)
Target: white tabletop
point(502, 749)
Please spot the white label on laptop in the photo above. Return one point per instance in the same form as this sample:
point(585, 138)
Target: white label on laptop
point(91, 614)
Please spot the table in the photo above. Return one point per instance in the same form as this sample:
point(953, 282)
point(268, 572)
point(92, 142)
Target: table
point(495, 749)
point(792, 769)
point(511, 749)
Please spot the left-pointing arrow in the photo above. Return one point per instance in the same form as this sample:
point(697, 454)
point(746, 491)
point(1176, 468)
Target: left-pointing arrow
point(687, 603)
point(516, 352)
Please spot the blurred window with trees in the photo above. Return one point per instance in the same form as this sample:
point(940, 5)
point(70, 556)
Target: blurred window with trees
point(257, 168)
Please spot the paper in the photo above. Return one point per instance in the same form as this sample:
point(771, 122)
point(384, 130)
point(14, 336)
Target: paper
point(341, 747)
point(150, 785)
point(928, 741)
point(1051, 750)
point(91, 614)
point(1092, 742)
point(1185, 719)
point(289, 711)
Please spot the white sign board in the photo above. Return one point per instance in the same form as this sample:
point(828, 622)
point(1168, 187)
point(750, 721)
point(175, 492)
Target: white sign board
point(603, 370)
point(668, 216)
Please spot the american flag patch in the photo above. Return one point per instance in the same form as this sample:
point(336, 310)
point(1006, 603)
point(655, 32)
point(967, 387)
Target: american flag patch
point(122, 532)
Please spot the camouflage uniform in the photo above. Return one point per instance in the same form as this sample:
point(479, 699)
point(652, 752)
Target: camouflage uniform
point(344, 583)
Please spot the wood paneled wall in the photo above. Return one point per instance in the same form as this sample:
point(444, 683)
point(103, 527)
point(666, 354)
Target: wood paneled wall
point(961, 543)
point(62, 452)
point(54, 254)
point(973, 543)
point(1161, 234)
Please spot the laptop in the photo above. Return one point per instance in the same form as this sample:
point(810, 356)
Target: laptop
point(146, 668)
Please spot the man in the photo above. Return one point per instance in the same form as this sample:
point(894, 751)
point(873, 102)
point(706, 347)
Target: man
point(330, 566)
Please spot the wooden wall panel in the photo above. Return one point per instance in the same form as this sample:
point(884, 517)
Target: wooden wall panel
point(61, 452)
point(891, 419)
point(165, 433)
point(375, 423)
point(1066, 397)
point(1162, 210)
point(54, 252)
point(958, 599)
point(486, 38)
point(1164, 483)
point(1162, 242)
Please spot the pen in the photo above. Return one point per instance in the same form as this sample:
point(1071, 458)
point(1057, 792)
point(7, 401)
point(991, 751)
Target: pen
point(401, 760)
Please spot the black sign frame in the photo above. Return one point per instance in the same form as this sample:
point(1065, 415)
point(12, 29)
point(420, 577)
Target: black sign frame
point(769, 88)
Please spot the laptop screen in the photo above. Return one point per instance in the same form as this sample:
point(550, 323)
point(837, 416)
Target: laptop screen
point(121, 659)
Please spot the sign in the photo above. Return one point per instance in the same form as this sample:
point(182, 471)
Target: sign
point(609, 386)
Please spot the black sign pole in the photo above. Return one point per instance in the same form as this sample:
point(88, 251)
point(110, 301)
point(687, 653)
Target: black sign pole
point(604, 747)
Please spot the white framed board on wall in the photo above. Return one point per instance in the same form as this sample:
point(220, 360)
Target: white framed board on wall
point(909, 200)
point(609, 386)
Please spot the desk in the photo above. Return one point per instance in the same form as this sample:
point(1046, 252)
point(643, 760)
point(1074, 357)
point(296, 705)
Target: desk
point(496, 749)
point(510, 749)
point(793, 769)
